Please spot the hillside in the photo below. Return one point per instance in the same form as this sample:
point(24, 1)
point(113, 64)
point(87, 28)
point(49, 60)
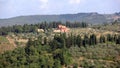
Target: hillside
point(86, 17)
point(81, 47)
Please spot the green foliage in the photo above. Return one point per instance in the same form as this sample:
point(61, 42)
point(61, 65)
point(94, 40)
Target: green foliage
point(62, 50)
point(85, 40)
point(75, 65)
point(36, 55)
point(118, 40)
point(102, 39)
point(93, 40)
point(57, 64)
point(3, 39)
point(33, 27)
point(79, 41)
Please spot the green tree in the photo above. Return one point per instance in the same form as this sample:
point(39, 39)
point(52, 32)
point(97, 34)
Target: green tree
point(93, 39)
point(79, 41)
point(109, 38)
point(85, 40)
point(118, 40)
point(102, 39)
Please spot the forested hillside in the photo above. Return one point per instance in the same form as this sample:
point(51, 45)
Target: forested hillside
point(94, 18)
point(65, 51)
point(87, 46)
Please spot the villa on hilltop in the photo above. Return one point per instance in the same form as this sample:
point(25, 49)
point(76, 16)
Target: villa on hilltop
point(61, 28)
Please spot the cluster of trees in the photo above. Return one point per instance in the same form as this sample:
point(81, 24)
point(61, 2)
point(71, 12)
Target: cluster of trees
point(18, 29)
point(36, 55)
point(46, 25)
point(32, 27)
point(62, 40)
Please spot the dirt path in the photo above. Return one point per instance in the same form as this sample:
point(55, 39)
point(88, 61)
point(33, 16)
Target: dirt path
point(11, 41)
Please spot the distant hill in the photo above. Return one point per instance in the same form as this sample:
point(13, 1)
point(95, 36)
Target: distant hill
point(94, 18)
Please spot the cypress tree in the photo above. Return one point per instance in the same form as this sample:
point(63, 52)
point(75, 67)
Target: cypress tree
point(93, 39)
point(118, 40)
point(79, 41)
point(85, 41)
point(102, 39)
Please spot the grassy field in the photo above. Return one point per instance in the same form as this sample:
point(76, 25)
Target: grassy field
point(89, 31)
point(108, 27)
point(5, 44)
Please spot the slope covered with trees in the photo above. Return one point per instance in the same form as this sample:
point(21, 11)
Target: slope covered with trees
point(85, 50)
point(63, 50)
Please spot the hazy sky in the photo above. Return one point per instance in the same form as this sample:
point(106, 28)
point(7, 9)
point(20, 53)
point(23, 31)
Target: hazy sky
point(11, 8)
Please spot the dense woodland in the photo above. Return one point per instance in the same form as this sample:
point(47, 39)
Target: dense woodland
point(64, 50)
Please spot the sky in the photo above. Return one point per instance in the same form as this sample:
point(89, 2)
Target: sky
point(13, 8)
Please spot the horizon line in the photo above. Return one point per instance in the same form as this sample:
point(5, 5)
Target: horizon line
point(55, 14)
